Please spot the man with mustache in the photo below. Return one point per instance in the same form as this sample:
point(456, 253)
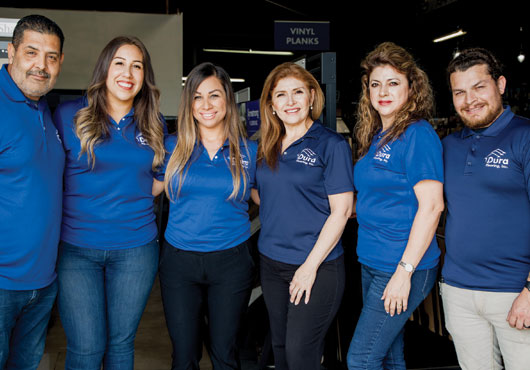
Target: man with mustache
point(486, 280)
point(31, 169)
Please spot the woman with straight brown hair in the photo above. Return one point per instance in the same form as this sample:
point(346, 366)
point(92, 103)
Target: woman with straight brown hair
point(206, 266)
point(108, 256)
point(398, 180)
point(305, 192)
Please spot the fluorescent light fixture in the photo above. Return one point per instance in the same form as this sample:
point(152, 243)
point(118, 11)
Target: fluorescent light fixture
point(249, 51)
point(231, 80)
point(450, 36)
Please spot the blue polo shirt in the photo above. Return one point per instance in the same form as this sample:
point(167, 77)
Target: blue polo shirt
point(109, 206)
point(31, 170)
point(202, 218)
point(487, 189)
point(294, 196)
point(386, 202)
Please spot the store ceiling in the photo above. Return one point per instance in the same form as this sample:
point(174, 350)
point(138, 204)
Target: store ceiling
point(356, 27)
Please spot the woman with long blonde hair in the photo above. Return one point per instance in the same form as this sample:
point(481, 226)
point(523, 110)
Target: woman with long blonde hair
point(108, 257)
point(206, 263)
point(398, 180)
point(305, 192)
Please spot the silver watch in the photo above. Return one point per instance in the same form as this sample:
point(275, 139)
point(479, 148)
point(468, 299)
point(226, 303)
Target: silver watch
point(407, 266)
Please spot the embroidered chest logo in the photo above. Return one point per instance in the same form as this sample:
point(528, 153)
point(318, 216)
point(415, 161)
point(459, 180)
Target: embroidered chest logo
point(307, 157)
point(245, 163)
point(58, 136)
point(496, 159)
point(383, 155)
point(140, 139)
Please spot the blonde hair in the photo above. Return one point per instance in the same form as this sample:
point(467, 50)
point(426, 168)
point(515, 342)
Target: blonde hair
point(272, 129)
point(420, 103)
point(92, 124)
point(189, 134)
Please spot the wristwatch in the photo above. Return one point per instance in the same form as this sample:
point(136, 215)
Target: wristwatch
point(527, 285)
point(407, 266)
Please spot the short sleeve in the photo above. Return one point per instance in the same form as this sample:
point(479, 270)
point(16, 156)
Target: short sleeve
point(253, 153)
point(525, 162)
point(160, 173)
point(338, 174)
point(63, 117)
point(170, 141)
point(424, 155)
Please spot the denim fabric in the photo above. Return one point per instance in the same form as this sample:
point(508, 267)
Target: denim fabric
point(102, 295)
point(216, 282)
point(24, 316)
point(378, 339)
point(298, 331)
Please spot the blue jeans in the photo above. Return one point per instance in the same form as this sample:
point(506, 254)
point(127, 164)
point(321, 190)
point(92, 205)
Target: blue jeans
point(378, 339)
point(24, 316)
point(216, 282)
point(102, 295)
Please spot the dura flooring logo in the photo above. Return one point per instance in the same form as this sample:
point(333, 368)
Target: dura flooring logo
point(307, 157)
point(383, 155)
point(496, 159)
point(140, 139)
point(244, 161)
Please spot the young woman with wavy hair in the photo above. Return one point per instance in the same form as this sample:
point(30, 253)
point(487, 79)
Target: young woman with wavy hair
point(206, 264)
point(305, 192)
point(398, 180)
point(108, 257)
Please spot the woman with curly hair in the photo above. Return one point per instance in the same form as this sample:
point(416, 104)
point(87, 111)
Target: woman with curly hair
point(108, 256)
point(398, 180)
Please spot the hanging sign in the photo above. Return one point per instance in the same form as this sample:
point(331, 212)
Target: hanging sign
point(291, 35)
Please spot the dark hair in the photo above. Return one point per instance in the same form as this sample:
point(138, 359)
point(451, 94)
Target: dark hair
point(420, 103)
point(92, 122)
point(472, 57)
point(37, 23)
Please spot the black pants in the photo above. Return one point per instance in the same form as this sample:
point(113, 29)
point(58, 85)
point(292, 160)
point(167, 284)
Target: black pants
point(298, 332)
point(219, 282)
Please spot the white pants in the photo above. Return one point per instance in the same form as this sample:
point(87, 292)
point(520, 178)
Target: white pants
point(483, 338)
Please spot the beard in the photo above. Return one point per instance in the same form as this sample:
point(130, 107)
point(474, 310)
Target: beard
point(483, 122)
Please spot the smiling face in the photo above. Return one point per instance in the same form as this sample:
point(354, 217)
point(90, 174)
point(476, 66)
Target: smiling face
point(477, 97)
point(125, 76)
point(35, 64)
point(209, 104)
point(291, 100)
point(389, 91)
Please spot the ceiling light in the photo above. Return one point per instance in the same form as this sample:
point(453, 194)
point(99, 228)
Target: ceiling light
point(450, 36)
point(521, 57)
point(249, 51)
point(231, 80)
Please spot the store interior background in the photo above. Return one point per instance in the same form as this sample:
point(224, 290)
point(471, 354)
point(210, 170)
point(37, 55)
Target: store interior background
point(355, 28)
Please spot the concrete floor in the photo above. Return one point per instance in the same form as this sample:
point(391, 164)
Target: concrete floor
point(153, 346)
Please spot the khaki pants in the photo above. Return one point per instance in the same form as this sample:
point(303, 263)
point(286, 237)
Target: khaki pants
point(483, 338)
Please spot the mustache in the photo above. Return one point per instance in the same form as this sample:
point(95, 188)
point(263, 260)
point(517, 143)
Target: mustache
point(39, 73)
